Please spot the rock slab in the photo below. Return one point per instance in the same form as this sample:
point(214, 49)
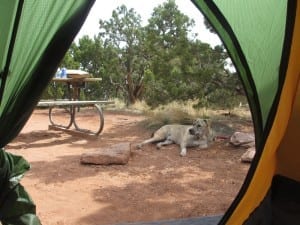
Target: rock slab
point(241, 139)
point(115, 154)
point(248, 155)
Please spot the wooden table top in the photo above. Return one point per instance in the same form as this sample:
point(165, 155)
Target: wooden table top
point(77, 79)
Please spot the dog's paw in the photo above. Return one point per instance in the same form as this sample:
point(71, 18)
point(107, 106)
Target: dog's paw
point(138, 146)
point(158, 146)
point(183, 153)
point(203, 145)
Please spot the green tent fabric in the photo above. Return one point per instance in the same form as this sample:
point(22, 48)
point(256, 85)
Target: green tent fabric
point(263, 40)
point(34, 38)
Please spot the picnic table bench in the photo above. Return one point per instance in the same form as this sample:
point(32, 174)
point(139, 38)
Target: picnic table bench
point(71, 108)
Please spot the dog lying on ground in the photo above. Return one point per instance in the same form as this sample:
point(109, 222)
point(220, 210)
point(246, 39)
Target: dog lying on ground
point(196, 135)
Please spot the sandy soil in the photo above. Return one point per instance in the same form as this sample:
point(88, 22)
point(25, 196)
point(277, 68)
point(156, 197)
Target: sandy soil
point(154, 185)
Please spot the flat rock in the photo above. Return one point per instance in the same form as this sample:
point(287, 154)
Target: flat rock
point(115, 154)
point(242, 139)
point(248, 155)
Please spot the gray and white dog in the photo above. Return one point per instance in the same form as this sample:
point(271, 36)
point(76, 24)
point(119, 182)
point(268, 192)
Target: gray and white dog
point(196, 135)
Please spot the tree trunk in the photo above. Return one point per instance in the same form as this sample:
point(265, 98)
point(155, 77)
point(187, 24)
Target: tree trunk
point(134, 91)
point(130, 88)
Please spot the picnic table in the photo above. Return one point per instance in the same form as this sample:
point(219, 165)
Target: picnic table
point(75, 81)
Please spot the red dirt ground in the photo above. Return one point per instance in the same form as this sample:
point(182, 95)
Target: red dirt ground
point(154, 185)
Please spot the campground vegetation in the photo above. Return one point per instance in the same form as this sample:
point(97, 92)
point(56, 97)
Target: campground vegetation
point(156, 63)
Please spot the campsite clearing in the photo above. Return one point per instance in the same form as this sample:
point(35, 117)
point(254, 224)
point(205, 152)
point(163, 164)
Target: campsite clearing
point(154, 185)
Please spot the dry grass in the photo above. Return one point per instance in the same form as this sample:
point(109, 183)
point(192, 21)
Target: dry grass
point(180, 112)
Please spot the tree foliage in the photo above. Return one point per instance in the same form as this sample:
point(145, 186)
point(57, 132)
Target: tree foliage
point(124, 33)
point(159, 62)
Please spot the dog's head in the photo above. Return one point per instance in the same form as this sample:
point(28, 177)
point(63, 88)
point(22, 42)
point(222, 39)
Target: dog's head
point(200, 128)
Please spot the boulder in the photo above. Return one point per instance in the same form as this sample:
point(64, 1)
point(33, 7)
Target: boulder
point(242, 139)
point(248, 155)
point(115, 154)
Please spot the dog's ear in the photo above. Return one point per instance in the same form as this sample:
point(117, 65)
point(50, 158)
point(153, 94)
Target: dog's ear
point(207, 122)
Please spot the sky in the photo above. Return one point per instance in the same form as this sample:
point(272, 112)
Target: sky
point(103, 10)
